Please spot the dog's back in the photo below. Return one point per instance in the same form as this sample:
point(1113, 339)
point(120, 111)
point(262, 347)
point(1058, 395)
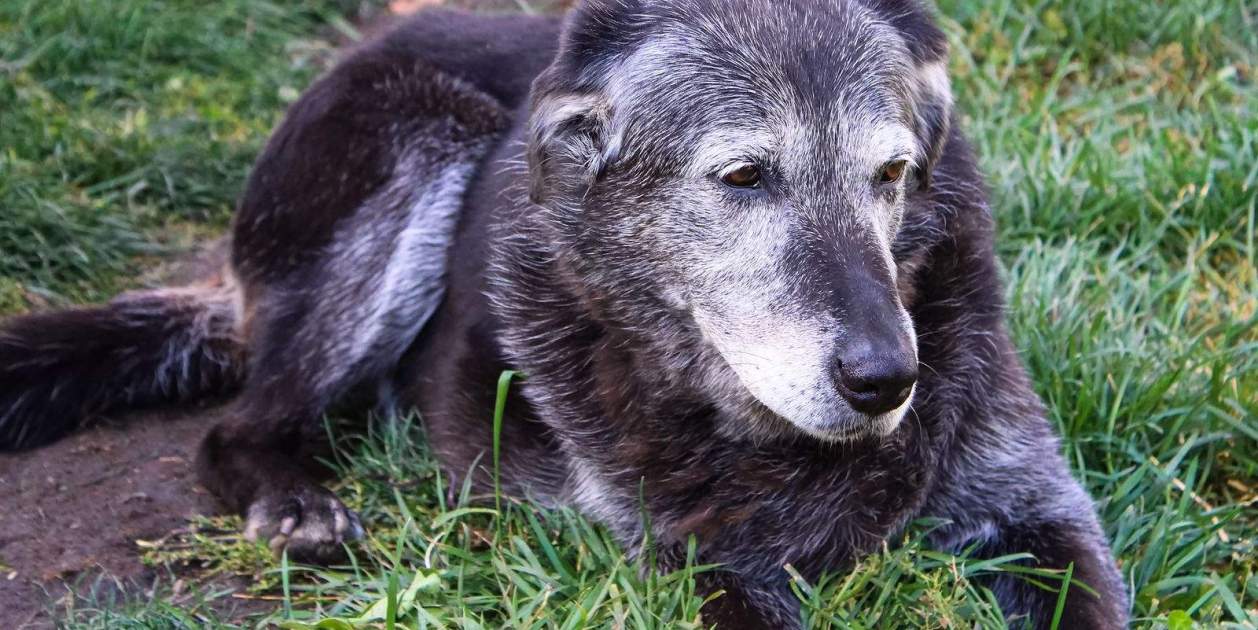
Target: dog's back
point(378, 149)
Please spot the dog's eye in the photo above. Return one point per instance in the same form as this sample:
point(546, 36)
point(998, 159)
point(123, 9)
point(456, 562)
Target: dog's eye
point(892, 172)
point(745, 176)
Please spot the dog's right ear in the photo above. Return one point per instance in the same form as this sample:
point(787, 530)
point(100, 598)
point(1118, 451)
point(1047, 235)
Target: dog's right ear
point(571, 139)
point(569, 142)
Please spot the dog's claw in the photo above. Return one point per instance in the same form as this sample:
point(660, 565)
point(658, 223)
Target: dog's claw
point(277, 545)
point(310, 524)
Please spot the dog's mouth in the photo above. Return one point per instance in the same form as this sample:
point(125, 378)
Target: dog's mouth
point(838, 425)
point(837, 433)
point(858, 427)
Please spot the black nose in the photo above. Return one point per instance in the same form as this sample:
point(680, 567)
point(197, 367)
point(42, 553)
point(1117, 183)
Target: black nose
point(875, 383)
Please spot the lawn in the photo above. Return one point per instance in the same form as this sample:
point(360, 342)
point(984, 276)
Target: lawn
point(1120, 140)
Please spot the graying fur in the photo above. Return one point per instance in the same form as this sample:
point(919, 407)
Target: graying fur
point(682, 343)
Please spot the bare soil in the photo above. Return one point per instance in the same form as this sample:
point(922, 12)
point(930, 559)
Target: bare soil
point(74, 510)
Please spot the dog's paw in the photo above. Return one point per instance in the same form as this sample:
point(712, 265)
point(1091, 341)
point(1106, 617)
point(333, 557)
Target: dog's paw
point(310, 523)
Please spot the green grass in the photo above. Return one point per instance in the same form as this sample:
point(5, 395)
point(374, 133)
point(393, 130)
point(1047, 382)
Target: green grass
point(126, 124)
point(1121, 143)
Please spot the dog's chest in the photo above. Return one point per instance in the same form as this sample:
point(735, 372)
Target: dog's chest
point(801, 502)
point(812, 507)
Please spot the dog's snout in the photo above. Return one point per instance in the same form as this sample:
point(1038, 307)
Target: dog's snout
point(875, 382)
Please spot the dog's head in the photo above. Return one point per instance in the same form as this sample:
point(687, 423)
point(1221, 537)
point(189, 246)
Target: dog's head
point(748, 163)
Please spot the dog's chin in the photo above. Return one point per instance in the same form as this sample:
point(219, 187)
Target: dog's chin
point(823, 418)
point(850, 425)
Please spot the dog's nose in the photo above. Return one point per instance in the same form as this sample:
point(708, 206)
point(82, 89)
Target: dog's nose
point(875, 383)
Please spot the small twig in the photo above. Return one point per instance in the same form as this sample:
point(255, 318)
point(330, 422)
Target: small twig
point(1196, 498)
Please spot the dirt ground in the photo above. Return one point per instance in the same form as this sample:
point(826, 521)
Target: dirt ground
point(75, 509)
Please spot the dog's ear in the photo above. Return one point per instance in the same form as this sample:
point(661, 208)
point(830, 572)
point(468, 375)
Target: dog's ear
point(928, 85)
point(932, 113)
point(571, 139)
point(569, 142)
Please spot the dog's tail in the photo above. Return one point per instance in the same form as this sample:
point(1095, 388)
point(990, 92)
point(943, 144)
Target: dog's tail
point(61, 369)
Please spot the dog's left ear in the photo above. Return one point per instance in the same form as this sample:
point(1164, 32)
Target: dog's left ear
point(930, 92)
point(932, 113)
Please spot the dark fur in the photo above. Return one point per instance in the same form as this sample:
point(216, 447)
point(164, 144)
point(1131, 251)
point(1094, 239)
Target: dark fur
point(59, 370)
point(619, 394)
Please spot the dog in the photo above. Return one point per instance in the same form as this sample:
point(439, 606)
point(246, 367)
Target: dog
point(737, 249)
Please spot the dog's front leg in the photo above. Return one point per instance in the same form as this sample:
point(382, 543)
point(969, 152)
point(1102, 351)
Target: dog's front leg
point(1096, 598)
point(258, 462)
point(1029, 506)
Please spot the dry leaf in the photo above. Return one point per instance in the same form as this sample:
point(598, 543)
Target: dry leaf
point(407, 7)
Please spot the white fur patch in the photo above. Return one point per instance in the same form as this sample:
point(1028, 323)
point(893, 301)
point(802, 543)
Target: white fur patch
point(391, 263)
point(933, 78)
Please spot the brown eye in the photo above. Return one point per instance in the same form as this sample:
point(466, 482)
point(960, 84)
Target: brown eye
point(892, 172)
point(746, 176)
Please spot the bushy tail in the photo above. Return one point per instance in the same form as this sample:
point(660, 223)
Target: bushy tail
point(61, 369)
